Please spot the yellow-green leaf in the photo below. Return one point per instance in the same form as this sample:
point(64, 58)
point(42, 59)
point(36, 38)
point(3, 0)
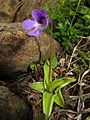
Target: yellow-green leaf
point(59, 99)
point(61, 83)
point(54, 61)
point(38, 86)
point(46, 75)
point(48, 100)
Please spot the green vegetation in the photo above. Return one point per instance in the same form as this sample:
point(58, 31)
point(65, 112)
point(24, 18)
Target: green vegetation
point(69, 19)
point(51, 87)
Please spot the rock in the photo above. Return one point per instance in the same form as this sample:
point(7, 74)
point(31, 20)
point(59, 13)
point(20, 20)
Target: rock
point(8, 9)
point(18, 51)
point(12, 107)
point(17, 10)
point(28, 5)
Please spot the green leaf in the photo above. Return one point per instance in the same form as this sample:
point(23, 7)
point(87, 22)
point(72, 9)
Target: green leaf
point(61, 2)
point(61, 83)
point(56, 83)
point(54, 61)
point(33, 66)
point(48, 100)
point(40, 117)
point(60, 26)
point(85, 56)
point(38, 86)
point(83, 10)
point(86, 17)
point(46, 75)
point(66, 81)
point(59, 99)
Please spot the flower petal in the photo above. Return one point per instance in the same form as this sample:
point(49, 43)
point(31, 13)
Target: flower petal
point(28, 24)
point(35, 14)
point(35, 33)
point(42, 12)
point(47, 21)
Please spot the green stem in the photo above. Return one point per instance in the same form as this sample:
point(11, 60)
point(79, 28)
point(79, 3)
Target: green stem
point(75, 13)
point(50, 66)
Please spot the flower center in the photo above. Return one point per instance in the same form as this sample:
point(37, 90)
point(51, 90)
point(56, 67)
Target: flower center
point(42, 20)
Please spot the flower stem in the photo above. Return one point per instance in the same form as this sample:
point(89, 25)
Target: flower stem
point(50, 67)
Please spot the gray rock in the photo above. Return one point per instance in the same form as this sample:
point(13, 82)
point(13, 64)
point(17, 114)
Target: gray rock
point(12, 107)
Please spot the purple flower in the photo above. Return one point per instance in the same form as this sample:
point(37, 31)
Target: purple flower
point(39, 23)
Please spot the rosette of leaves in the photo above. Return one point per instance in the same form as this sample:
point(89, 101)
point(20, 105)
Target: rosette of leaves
point(51, 89)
